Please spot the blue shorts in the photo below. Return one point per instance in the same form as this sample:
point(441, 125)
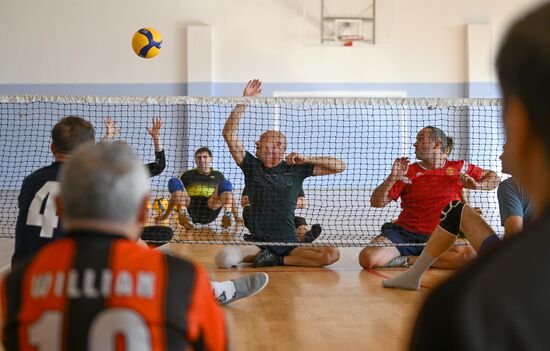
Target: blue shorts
point(399, 235)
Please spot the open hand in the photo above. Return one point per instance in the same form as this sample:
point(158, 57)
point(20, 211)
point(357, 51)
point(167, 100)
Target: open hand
point(154, 131)
point(253, 88)
point(111, 131)
point(400, 167)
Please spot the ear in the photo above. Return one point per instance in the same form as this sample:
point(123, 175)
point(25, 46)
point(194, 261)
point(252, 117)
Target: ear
point(143, 213)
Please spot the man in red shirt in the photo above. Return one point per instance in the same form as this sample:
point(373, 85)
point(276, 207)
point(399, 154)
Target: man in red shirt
point(425, 188)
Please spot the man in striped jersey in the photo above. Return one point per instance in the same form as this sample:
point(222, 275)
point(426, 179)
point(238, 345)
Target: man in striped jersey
point(96, 289)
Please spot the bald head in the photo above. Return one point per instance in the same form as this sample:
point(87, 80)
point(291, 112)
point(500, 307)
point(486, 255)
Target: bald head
point(276, 137)
point(271, 147)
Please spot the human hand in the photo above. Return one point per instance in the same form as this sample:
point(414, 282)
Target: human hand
point(468, 181)
point(400, 167)
point(253, 88)
point(154, 131)
point(111, 131)
point(295, 158)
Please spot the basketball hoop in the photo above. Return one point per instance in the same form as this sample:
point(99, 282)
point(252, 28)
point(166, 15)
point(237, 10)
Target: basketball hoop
point(348, 40)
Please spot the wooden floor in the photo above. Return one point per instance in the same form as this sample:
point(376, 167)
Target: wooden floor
point(340, 307)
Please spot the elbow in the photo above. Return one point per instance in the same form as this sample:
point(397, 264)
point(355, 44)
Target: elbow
point(227, 137)
point(375, 202)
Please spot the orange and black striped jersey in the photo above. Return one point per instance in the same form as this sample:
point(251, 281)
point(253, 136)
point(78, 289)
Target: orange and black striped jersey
point(97, 291)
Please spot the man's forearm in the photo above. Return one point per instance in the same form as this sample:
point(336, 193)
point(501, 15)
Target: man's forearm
point(329, 163)
point(158, 145)
point(232, 124)
point(380, 195)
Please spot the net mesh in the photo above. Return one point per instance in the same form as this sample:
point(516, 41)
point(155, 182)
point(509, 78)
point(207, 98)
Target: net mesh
point(367, 134)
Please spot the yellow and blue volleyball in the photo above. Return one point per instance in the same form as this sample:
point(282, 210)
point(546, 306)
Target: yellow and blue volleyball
point(147, 42)
point(160, 205)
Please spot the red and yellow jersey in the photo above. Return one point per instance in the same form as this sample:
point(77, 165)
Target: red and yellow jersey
point(424, 193)
point(94, 291)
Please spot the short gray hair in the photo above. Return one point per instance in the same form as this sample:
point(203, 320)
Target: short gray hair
point(104, 182)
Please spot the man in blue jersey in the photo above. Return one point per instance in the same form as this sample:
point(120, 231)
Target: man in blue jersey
point(37, 222)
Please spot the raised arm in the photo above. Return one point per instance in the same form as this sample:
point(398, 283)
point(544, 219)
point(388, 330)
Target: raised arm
point(229, 133)
point(156, 168)
point(323, 164)
point(154, 132)
point(111, 131)
point(381, 195)
point(489, 180)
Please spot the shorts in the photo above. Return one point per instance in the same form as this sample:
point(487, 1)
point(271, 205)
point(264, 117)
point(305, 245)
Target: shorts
point(399, 235)
point(277, 250)
point(200, 212)
point(281, 251)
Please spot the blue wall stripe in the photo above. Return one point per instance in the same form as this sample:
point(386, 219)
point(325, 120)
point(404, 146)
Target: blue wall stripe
point(430, 90)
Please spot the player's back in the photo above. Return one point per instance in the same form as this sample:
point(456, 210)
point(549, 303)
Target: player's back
point(37, 221)
point(96, 291)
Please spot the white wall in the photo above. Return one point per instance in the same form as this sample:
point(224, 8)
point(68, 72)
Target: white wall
point(79, 42)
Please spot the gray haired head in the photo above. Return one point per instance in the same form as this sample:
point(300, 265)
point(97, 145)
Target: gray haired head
point(105, 182)
point(438, 134)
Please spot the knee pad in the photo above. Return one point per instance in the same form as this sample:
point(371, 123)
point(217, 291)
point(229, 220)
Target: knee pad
point(228, 257)
point(298, 221)
point(451, 217)
point(224, 187)
point(175, 184)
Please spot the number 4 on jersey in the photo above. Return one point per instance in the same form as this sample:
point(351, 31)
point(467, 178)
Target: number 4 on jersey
point(48, 220)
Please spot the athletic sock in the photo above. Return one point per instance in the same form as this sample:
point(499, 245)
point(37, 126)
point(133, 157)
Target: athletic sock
point(410, 279)
point(223, 290)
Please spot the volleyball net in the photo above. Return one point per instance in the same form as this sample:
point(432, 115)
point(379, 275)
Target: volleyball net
point(367, 134)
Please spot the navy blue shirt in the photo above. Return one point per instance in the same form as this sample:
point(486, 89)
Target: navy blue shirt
point(272, 193)
point(37, 222)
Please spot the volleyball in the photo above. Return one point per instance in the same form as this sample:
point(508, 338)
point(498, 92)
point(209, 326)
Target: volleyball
point(160, 205)
point(147, 42)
